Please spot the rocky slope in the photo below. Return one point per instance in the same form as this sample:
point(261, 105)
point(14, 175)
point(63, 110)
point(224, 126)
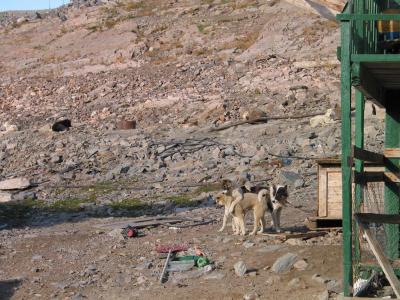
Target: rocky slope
point(179, 69)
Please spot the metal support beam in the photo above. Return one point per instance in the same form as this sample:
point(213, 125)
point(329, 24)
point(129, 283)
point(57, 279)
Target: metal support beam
point(346, 154)
point(359, 167)
point(392, 204)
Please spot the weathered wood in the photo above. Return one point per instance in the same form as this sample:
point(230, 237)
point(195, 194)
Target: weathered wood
point(381, 258)
point(316, 223)
point(392, 152)
point(140, 224)
point(378, 218)
point(392, 177)
point(365, 155)
point(299, 235)
point(322, 191)
point(371, 176)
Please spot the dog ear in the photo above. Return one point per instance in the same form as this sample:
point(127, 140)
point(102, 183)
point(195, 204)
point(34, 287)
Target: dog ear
point(285, 187)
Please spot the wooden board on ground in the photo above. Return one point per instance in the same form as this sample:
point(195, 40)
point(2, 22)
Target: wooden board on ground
point(295, 235)
point(380, 256)
point(140, 223)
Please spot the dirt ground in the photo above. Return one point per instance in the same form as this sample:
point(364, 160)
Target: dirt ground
point(76, 260)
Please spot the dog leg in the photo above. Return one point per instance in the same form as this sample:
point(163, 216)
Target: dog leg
point(256, 223)
point(278, 220)
point(262, 223)
point(237, 194)
point(224, 220)
point(242, 227)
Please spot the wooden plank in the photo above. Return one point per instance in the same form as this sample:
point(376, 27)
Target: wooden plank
point(392, 177)
point(295, 235)
point(124, 224)
point(366, 155)
point(381, 258)
point(322, 193)
point(392, 152)
point(378, 218)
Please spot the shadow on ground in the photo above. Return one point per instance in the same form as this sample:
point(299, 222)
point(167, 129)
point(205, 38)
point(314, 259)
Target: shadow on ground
point(8, 287)
point(34, 213)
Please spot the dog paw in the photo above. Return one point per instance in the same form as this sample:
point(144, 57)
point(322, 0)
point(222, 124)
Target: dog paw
point(278, 230)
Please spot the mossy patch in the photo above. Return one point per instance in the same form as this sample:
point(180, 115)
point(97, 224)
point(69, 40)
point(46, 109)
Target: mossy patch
point(19, 210)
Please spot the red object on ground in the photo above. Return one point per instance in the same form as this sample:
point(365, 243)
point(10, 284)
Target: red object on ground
point(173, 248)
point(131, 232)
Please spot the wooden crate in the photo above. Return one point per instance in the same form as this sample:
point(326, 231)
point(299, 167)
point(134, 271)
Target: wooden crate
point(330, 188)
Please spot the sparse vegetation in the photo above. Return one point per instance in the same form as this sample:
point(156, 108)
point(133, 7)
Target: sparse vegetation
point(130, 205)
point(243, 42)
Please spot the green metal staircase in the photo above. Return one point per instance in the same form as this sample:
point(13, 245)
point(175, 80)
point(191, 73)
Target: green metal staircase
point(370, 67)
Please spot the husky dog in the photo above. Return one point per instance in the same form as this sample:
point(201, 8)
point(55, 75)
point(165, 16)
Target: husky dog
point(278, 195)
point(273, 201)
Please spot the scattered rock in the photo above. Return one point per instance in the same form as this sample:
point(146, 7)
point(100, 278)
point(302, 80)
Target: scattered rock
point(301, 265)
point(296, 283)
point(5, 197)
point(116, 233)
point(19, 183)
point(318, 278)
point(126, 125)
point(251, 296)
point(294, 242)
point(323, 296)
point(215, 276)
point(61, 125)
point(240, 268)
point(248, 244)
point(284, 263)
point(334, 286)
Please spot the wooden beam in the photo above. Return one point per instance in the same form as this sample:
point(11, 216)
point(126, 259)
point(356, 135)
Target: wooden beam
point(378, 218)
point(392, 152)
point(392, 177)
point(365, 177)
point(366, 155)
point(376, 176)
point(381, 258)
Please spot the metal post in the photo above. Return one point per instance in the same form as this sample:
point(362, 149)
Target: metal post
point(346, 156)
point(392, 205)
point(359, 167)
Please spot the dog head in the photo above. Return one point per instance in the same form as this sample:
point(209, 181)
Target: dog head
point(221, 199)
point(227, 184)
point(279, 194)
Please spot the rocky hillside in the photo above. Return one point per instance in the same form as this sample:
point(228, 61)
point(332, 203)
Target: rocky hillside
point(179, 69)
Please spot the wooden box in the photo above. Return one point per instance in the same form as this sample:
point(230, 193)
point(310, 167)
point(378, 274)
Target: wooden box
point(330, 189)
